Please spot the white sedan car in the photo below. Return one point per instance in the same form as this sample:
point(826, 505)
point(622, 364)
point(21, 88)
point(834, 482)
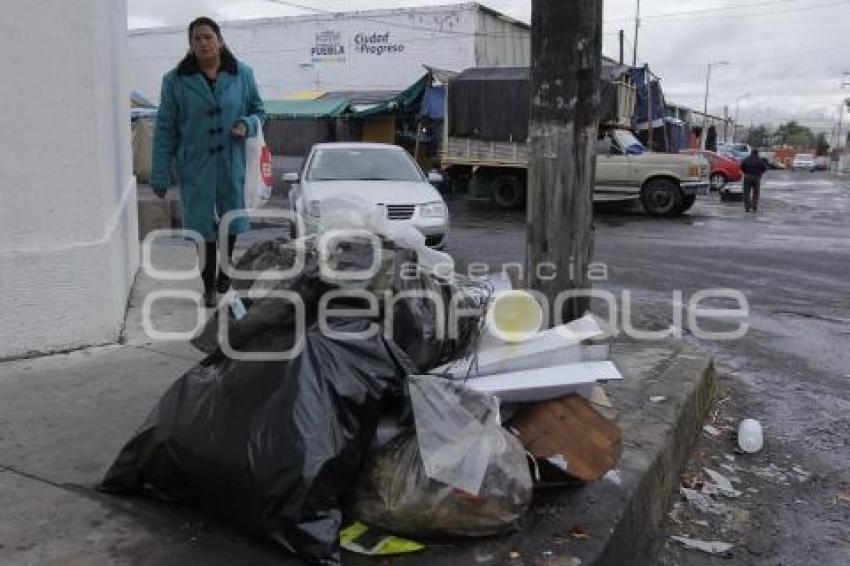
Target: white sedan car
point(804, 161)
point(381, 174)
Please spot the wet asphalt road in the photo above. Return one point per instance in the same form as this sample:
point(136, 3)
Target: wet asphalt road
point(791, 371)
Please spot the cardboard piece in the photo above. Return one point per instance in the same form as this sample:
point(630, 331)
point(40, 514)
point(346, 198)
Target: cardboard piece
point(569, 436)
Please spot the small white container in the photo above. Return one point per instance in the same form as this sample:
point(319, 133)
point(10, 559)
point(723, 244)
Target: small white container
point(750, 436)
point(514, 317)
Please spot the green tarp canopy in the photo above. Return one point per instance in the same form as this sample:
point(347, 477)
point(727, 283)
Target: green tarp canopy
point(350, 104)
point(306, 109)
point(400, 102)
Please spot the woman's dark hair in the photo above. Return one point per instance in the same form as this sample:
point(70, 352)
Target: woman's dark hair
point(189, 65)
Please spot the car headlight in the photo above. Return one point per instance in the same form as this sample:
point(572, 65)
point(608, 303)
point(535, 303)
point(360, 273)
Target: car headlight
point(314, 208)
point(694, 171)
point(433, 209)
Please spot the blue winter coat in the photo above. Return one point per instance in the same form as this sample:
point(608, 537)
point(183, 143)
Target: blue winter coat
point(192, 132)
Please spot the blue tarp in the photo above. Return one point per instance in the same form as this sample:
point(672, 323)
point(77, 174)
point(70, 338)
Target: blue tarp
point(434, 103)
point(658, 111)
point(677, 135)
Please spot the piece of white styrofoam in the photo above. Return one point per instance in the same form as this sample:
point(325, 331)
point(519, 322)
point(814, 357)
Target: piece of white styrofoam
point(556, 346)
point(545, 383)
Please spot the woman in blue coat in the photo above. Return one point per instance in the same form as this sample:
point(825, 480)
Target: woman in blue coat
point(208, 106)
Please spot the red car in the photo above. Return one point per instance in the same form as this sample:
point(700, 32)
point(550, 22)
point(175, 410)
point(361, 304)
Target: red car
point(723, 169)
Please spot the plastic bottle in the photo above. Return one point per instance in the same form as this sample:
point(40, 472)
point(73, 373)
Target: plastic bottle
point(750, 436)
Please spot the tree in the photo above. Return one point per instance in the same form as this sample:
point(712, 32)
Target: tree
point(821, 145)
point(795, 134)
point(759, 137)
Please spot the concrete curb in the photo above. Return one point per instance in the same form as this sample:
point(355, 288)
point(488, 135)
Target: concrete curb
point(632, 539)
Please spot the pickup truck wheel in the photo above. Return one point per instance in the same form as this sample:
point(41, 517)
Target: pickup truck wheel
point(508, 191)
point(687, 202)
point(293, 228)
point(661, 197)
point(718, 181)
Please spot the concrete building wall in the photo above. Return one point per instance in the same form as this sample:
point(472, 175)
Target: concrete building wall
point(501, 41)
point(68, 225)
point(370, 50)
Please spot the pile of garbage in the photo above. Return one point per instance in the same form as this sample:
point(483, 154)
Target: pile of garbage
point(372, 360)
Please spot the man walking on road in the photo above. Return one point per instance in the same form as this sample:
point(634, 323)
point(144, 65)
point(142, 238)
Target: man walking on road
point(753, 168)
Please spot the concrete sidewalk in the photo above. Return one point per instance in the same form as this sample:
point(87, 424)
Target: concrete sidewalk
point(65, 417)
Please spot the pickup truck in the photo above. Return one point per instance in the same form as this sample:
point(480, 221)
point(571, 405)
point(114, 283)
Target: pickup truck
point(666, 184)
point(485, 149)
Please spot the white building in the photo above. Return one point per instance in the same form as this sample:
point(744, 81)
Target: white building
point(68, 225)
point(369, 50)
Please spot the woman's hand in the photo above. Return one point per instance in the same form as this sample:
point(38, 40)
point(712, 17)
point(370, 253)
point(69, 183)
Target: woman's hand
point(239, 130)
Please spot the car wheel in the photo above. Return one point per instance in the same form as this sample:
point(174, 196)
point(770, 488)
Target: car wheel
point(687, 202)
point(661, 197)
point(718, 181)
point(508, 191)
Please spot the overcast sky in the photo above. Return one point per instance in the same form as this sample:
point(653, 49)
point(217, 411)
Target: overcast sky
point(787, 55)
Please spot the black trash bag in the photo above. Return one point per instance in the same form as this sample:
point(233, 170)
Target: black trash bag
point(271, 447)
point(422, 323)
point(421, 307)
point(265, 313)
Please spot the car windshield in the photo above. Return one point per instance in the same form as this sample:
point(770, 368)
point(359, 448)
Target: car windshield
point(804, 157)
point(362, 164)
point(628, 142)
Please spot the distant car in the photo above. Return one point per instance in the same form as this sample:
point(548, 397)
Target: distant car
point(770, 160)
point(722, 169)
point(821, 163)
point(803, 161)
point(383, 175)
point(738, 152)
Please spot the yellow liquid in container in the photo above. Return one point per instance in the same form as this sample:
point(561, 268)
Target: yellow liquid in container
point(515, 316)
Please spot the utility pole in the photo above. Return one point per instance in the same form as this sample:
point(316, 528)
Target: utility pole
point(622, 40)
point(842, 153)
point(705, 109)
point(637, 28)
point(566, 54)
point(840, 125)
point(649, 124)
point(737, 109)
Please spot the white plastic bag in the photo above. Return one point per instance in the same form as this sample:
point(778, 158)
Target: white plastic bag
point(353, 212)
point(458, 431)
point(460, 473)
point(258, 171)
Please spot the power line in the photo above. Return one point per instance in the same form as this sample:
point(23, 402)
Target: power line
point(718, 10)
point(373, 19)
point(680, 15)
point(703, 10)
point(763, 14)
